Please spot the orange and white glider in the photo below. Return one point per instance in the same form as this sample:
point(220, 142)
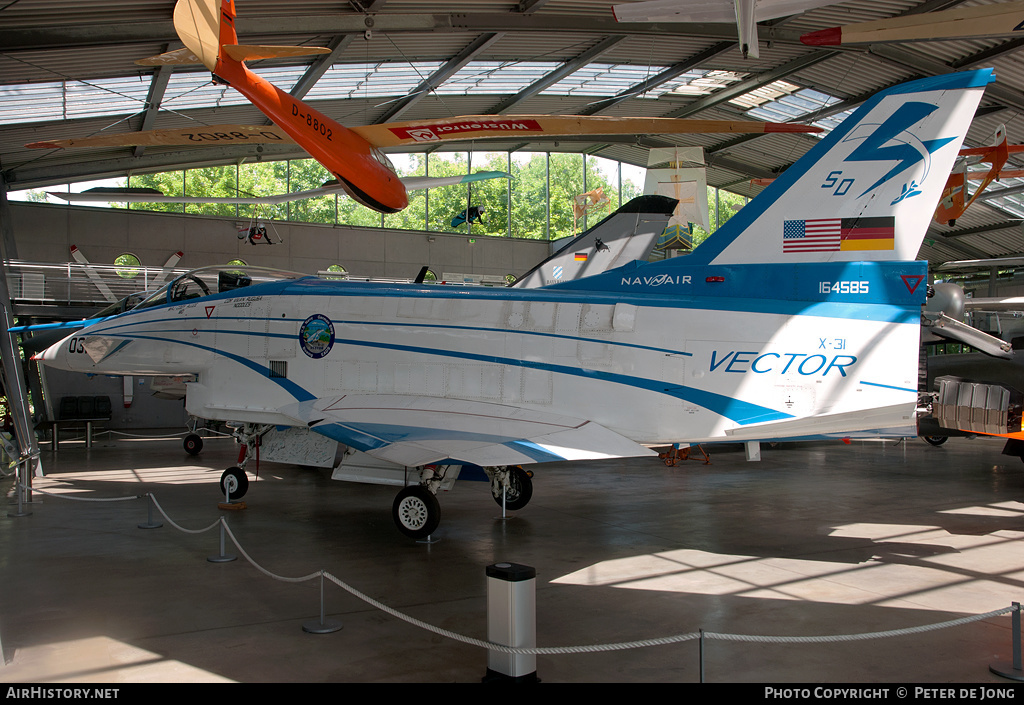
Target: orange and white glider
point(954, 200)
point(352, 155)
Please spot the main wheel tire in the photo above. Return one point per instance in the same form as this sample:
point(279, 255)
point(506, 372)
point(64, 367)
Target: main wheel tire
point(519, 491)
point(935, 440)
point(193, 444)
point(416, 512)
point(234, 483)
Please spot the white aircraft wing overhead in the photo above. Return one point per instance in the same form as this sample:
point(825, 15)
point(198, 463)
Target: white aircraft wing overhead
point(745, 13)
point(414, 430)
point(147, 195)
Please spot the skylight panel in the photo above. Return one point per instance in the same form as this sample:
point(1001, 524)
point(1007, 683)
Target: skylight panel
point(1012, 203)
point(782, 101)
point(764, 94)
point(605, 80)
point(832, 121)
point(699, 82)
point(64, 100)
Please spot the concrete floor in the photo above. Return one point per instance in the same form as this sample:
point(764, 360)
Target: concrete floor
point(816, 539)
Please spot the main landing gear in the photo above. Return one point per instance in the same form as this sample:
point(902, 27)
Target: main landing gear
point(417, 513)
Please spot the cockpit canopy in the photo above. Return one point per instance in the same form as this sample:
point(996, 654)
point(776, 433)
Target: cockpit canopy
point(214, 279)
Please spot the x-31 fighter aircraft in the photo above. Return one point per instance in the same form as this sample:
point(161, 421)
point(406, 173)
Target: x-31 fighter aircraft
point(799, 318)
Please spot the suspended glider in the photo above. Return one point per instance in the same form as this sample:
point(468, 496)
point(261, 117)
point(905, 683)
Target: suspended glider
point(954, 200)
point(995, 20)
point(352, 155)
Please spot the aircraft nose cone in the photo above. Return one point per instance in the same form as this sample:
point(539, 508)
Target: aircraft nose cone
point(54, 356)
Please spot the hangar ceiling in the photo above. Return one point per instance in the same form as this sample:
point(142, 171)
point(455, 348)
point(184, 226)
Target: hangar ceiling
point(67, 70)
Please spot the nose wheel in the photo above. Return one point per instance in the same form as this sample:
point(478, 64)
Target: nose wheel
point(234, 483)
point(193, 444)
point(517, 493)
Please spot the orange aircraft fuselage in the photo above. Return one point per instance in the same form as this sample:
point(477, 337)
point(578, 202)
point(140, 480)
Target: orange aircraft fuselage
point(349, 157)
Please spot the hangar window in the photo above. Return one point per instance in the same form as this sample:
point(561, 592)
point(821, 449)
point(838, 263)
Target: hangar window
point(127, 265)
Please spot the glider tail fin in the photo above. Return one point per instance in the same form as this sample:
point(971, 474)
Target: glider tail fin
point(866, 191)
point(207, 29)
point(199, 24)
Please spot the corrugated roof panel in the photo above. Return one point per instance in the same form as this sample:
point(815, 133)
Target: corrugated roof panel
point(848, 13)
point(43, 13)
point(850, 74)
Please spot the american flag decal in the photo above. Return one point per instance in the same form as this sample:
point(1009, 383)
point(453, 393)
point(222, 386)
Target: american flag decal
point(838, 234)
point(822, 235)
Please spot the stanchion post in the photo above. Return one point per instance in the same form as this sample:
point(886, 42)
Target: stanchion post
point(701, 655)
point(21, 484)
point(324, 626)
point(511, 621)
point(150, 524)
point(222, 557)
point(1012, 669)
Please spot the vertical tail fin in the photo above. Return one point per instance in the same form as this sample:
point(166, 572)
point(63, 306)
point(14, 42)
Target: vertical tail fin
point(868, 190)
point(628, 234)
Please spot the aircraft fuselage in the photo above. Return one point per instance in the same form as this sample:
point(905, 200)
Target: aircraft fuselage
point(659, 354)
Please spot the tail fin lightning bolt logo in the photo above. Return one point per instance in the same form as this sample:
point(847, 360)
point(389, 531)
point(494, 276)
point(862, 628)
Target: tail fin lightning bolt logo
point(892, 141)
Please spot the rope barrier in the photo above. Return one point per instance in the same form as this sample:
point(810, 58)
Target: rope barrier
point(170, 521)
point(129, 498)
point(551, 650)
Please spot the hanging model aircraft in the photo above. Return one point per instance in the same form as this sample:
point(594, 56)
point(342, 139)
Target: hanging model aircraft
point(954, 201)
point(745, 13)
point(995, 20)
point(801, 317)
point(352, 155)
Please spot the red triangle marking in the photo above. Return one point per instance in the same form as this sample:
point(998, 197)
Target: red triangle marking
point(916, 278)
point(209, 311)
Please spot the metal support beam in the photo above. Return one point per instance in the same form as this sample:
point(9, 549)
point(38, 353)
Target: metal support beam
point(78, 35)
point(13, 374)
point(918, 62)
point(553, 77)
point(30, 176)
point(157, 88)
point(452, 66)
point(318, 68)
point(666, 75)
point(998, 193)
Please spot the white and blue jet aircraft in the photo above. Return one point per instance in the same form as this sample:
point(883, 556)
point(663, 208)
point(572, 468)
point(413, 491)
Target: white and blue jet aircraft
point(799, 318)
